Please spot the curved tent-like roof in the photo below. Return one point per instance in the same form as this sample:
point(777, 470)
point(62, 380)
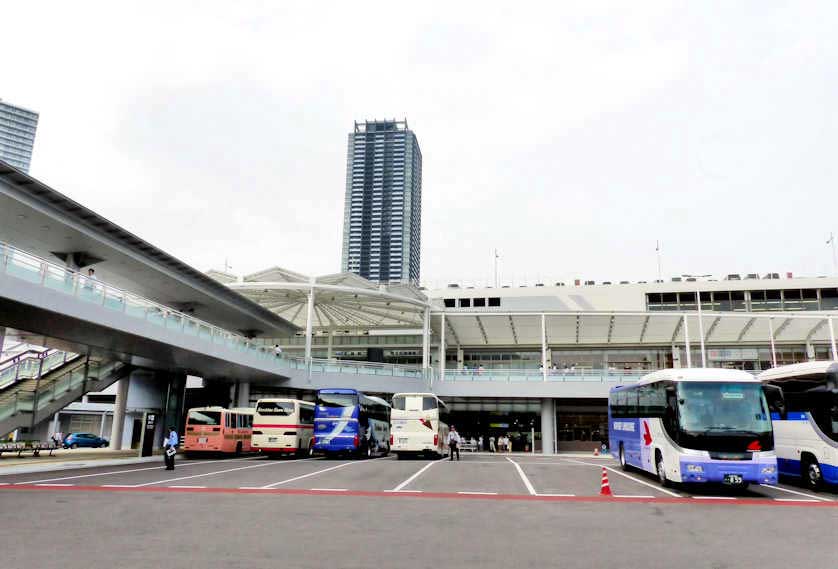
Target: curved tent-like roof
point(341, 300)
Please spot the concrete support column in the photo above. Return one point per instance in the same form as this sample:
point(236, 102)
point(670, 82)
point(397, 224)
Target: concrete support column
point(460, 357)
point(244, 395)
point(330, 340)
point(548, 422)
point(442, 347)
point(771, 342)
point(55, 422)
point(426, 340)
point(119, 413)
point(687, 342)
point(676, 357)
point(832, 339)
point(309, 320)
point(102, 425)
point(543, 347)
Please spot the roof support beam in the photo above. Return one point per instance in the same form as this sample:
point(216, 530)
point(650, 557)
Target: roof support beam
point(745, 329)
point(815, 329)
point(482, 330)
point(645, 327)
point(677, 329)
point(514, 332)
point(782, 327)
point(712, 328)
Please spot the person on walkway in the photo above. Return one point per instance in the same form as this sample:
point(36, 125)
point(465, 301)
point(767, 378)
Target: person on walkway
point(453, 443)
point(170, 448)
point(492, 444)
point(480, 443)
point(508, 445)
point(277, 351)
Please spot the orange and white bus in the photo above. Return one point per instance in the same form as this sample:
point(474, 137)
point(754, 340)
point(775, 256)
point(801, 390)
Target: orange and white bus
point(218, 430)
point(283, 426)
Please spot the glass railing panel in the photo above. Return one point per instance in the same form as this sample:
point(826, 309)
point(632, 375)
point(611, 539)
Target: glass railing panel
point(204, 332)
point(156, 316)
point(135, 307)
point(113, 299)
point(174, 321)
point(23, 268)
point(59, 279)
point(90, 291)
point(190, 327)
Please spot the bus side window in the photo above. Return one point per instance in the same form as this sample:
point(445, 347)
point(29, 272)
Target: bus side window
point(776, 401)
point(670, 414)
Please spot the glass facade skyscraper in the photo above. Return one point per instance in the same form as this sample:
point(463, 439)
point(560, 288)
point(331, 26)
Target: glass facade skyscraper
point(382, 222)
point(17, 135)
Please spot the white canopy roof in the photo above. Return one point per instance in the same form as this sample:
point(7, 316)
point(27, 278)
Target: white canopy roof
point(477, 328)
point(341, 300)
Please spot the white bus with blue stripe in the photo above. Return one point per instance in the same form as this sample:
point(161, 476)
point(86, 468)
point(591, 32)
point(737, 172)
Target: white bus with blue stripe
point(694, 426)
point(806, 428)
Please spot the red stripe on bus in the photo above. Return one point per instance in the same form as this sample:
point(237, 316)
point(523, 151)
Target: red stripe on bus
point(263, 425)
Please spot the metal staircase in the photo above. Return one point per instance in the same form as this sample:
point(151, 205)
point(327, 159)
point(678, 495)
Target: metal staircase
point(27, 402)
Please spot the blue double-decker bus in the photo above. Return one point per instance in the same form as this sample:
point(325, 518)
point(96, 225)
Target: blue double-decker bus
point(694, 425)
point(347, 421)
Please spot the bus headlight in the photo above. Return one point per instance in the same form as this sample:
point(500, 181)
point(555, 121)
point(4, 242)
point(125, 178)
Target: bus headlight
point(769, 469)
point(695, 468)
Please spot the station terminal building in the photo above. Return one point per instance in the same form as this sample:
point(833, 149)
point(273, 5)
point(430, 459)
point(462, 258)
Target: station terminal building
point(509, 360)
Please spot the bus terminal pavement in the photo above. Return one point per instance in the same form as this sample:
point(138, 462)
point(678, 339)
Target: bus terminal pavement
point(486, 510)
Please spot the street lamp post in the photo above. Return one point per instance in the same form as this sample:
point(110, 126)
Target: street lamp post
point(700, 321)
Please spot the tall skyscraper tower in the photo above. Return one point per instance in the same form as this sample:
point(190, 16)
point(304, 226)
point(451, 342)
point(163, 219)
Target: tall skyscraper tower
point(382, 220)
point(17, 135)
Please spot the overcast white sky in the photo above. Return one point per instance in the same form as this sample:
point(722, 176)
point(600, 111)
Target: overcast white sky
point(570, 138)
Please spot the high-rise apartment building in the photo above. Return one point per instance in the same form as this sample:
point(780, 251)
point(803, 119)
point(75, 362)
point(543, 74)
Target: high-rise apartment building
point(17, 135)
point(382, 221)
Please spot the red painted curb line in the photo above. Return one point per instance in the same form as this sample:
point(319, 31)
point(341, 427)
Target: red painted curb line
point(430, 495)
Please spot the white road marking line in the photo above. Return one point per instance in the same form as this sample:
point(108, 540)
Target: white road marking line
point(526, 480)
point(623, 474)
point(557, 495)
point(412, 478)
point(316, 472)
point(4, 483)
point(328, 489)
point(186, 486)
point(804, 494)
point(794, 500)
point(54, 484)
point(633, 496)
point(714, 498)
point(479, 493)
point(129, 470)
point(405, 491)
point(260, 465)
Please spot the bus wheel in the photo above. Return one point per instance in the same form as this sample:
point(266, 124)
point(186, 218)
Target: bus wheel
point(369, 451)
point(623, 463)
point(811, 472)
point(661, 470)
point(398, 456)
point(310, 449)
point(238, 448)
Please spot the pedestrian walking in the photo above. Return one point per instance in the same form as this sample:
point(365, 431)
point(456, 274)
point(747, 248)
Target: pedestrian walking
point(480, 443)
point(492, 444)
point(170, 448)
point(508, 445)
point(453, 443)
point(277, 351)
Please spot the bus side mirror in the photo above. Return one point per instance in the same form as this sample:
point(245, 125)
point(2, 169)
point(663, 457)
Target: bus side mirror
point(776, 401)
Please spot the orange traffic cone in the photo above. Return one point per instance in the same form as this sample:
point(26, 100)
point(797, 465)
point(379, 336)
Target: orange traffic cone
point(605, 489)
point(596, 451)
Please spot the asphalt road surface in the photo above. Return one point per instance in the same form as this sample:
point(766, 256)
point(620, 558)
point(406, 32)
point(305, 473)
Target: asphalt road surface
point(484, 511)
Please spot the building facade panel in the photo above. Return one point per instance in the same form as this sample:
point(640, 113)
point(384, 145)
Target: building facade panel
point(17, 135)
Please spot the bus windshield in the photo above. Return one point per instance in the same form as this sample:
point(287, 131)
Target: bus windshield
point(204, 418)
point(278, 408)
point(708, 407)
point(337, 399)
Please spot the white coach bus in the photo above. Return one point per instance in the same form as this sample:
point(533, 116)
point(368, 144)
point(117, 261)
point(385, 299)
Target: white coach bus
point(283, 426)
point(418, 425)
point(806, 425)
